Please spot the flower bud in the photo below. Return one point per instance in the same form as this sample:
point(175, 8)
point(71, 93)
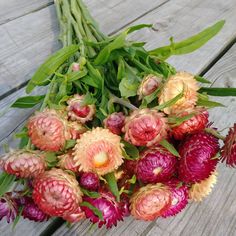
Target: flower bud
point(78, 111)
point(75, 66)
point(115, 122)
point(90, 181)
point(149, 84)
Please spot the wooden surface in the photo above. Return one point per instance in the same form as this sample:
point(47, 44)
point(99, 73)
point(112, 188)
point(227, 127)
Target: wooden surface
point(29, 31)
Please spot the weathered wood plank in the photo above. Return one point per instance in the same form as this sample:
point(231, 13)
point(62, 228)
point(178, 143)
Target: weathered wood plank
point(26, 41)
point(196, 219)
point(13, 9)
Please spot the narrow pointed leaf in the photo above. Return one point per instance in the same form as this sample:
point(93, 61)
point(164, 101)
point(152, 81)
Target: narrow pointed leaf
point(111, 180)
point(202, 80)
point(188, 45)
point(171, 102)
point(218, 91)
point(28, 101)
point(164, 143)
point(95, 210)
point(50, 66)
point(6, 181)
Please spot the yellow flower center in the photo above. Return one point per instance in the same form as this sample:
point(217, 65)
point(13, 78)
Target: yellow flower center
point(100, 159)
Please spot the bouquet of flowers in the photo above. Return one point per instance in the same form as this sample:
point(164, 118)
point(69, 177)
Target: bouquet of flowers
point(119, 131)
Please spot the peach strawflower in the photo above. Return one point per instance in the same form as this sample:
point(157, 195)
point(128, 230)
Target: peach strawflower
point(180, 82)
point(99, 151)
point(200, 190)
point(150, 202)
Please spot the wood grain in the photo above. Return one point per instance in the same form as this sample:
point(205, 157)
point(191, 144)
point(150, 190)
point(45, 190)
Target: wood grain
point(13, 9)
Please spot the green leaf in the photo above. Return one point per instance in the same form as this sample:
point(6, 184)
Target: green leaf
point(117, 43)
point(129, 84)
point(171, 102)
point(209, 104)
point(151, 97)
point(51, 159)
point(70, 144)
point(111, 180)
point(137, 27)
point(89, 193)
point(218, 91)
point(88, 99)
point(164, 143)
point(6, 181)
point(202, 80)
point(50, 66)
point(131, 150)
point(16, 220)
point(188, 45)
point(73, 76)
point(23, 142)
point(176, 121)
point(121, 69)
point(28, 101)
point(95, 210)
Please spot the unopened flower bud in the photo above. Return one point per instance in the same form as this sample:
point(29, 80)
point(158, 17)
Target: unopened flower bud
point(115, 122)
point(78, 111)
point(75, 67)
point(149, 84)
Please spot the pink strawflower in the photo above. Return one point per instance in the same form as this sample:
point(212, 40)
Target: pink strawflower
point(145, 127)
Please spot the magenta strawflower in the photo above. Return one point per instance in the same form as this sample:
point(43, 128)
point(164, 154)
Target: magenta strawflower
point(145, 127)
point(179, 198)
point(90, 181)
point(106, 203)
point(115, 122)
point(32, 212)
point(156, 165)
point(228, 151)
point(198, 157)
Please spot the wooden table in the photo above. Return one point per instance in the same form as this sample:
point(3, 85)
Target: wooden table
point(28, 33)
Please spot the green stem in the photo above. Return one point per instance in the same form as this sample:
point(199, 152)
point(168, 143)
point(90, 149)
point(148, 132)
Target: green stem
point(122, 102)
